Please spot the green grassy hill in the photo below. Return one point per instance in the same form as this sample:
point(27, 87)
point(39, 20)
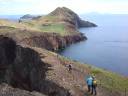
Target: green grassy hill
point(62, 21)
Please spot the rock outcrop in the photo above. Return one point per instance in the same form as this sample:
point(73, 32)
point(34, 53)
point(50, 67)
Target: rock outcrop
point(23, 68)
point(6, 90)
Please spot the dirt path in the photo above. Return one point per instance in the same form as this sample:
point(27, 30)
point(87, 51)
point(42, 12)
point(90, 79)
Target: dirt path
point(74, 80)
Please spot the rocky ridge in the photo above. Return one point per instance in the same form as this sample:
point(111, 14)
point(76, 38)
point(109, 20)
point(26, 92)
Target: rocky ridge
point(22, 67)
point(71, 17)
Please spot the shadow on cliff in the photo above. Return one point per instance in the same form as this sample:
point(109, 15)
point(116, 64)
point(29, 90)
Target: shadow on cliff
point(23, 68)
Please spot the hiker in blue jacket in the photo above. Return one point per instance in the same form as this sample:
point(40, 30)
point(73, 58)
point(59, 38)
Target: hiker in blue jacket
point(89, 83)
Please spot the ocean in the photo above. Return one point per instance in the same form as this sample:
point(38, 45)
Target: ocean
point(11, 17)
point(107, 44)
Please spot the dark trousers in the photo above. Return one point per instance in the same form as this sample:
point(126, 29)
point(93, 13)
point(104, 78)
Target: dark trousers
point(94, 90)
point(89, 88)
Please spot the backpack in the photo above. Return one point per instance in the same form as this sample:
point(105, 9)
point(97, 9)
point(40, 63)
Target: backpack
point(94, 82)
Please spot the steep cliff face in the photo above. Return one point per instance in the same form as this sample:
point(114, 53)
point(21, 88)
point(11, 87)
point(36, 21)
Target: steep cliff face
point(53, 42)
point(7, 51)
point(50, 41)
point(23, 68)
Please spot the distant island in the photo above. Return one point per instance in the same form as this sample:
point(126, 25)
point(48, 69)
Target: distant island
point(29, 65)
point(29, 17)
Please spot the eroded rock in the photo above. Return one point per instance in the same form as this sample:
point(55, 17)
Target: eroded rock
point(24, 69)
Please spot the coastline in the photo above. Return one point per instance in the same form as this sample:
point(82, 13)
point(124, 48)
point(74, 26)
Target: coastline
point(34, 68)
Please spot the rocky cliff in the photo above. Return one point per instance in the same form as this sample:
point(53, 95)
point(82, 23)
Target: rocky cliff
point(49, 41)
point(22, 67)
point(53, 42)
point(27, 71)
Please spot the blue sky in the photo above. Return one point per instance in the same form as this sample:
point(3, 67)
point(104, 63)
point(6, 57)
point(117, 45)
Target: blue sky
point(10, 7)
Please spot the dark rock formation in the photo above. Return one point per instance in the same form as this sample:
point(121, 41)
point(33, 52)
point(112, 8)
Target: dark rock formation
point(7, 51)
point(82, 23)
point(23, 68)
point(6, 90)
point(71, 17)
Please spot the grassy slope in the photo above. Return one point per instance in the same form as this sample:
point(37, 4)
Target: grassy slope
point(106, 78)
point(110, 80)
point(14, 25)
point(107, 81)
point(51, 24)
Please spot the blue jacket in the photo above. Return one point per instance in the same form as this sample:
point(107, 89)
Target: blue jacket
point(89, 81)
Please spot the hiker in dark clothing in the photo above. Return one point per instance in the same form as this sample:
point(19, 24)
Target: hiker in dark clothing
point(19, 21)
point(94, 85)
point(69, 67)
